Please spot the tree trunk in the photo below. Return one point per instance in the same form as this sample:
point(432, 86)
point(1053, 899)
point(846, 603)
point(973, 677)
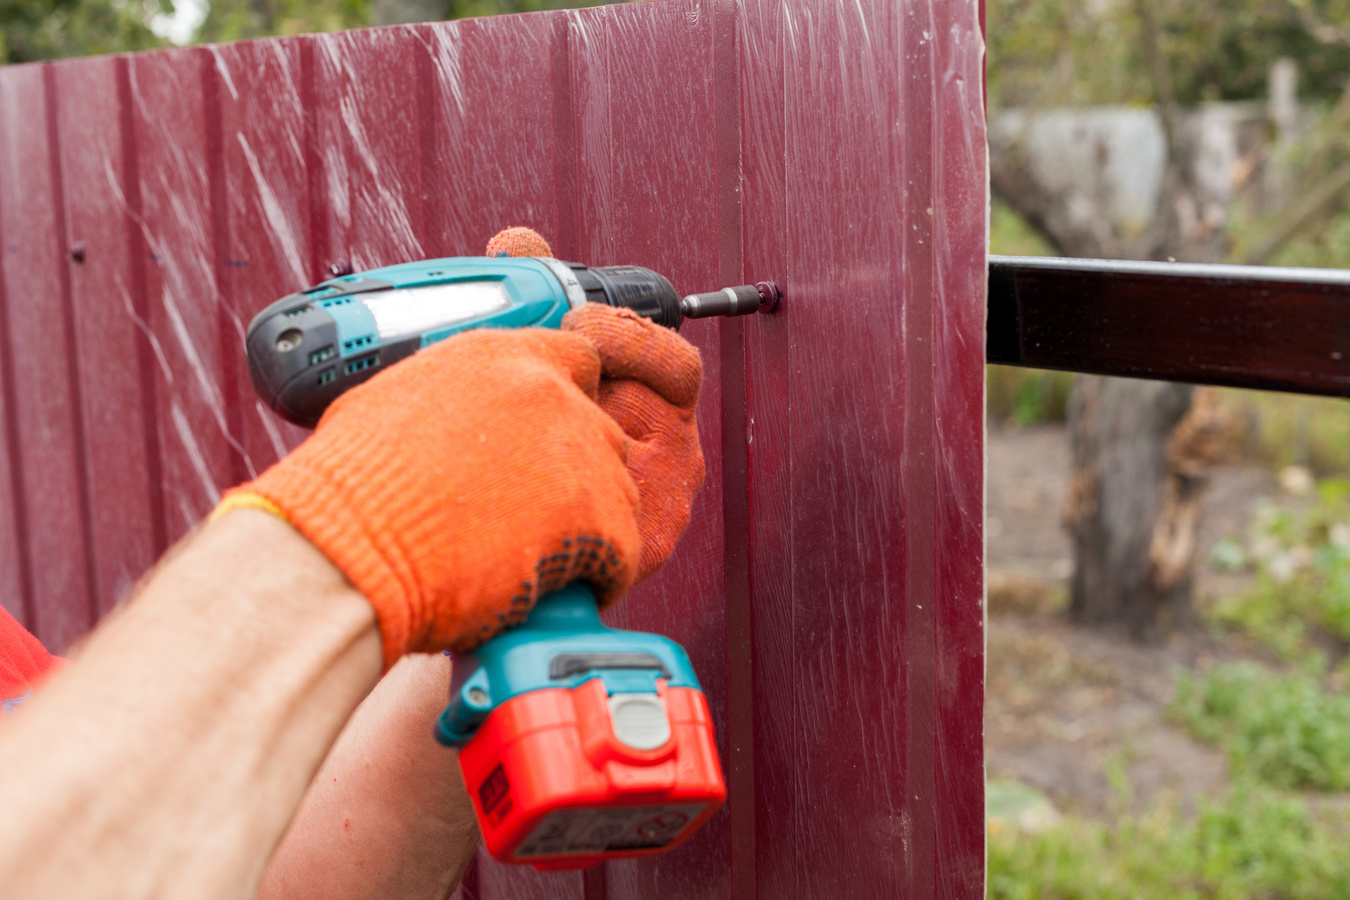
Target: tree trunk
point(1115, 502)
point(1140, 452)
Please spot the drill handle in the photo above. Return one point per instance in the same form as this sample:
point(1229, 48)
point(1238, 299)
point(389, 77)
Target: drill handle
point(562, 644)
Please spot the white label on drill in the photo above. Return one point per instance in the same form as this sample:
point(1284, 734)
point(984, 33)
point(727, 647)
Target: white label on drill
point(600, 829)
point(414, 310)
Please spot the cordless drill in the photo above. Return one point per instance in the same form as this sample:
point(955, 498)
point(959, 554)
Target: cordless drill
point(578, 742)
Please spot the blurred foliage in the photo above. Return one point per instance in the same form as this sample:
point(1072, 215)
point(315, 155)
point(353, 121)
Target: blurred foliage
point(1286, 731)
point(1054, 53)
point(1327, 246)
point(1311, 173)
point(1222, 49)
point(1290, 429)
point(1065, 52)
point(1254, 845)
point(1010, 235)
point(232, 20)
point(51, 29)
point(460, 9)
point(1300, 598)
point(1026, 396)
point(1062, 53)
point(1269, 428)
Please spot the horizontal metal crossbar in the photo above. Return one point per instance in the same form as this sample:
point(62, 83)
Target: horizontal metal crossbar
point(1269, 328)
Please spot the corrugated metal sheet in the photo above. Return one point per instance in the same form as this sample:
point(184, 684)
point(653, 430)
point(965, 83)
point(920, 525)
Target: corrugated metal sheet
point(829, 589)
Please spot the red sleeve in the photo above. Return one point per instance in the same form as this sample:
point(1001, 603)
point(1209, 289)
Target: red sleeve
point(23, 661)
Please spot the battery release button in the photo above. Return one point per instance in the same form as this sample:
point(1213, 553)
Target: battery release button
point(640, 720)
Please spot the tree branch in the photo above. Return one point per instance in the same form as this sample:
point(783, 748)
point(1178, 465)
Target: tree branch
point(1162, 76)
point(1310, 207)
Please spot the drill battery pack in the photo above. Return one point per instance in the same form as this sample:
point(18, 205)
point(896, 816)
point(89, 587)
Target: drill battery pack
point(581, 743)
point(564, 779)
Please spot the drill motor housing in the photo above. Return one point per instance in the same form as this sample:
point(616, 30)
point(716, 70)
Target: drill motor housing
point(307, 349)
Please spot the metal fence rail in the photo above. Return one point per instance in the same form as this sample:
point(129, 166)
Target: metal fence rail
point(1244, 326)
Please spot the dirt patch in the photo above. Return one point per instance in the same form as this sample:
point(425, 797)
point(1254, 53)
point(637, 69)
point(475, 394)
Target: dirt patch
point(1068, 710)
point(1027, 473)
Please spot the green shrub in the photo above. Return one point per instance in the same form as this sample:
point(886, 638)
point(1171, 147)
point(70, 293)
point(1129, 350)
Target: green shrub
point(1254, 845)
point(1284, 730)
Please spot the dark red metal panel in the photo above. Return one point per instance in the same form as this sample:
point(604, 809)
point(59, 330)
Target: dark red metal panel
point(829, 587)
point(763, 781)
point(267, 254)
point(495, 108)
point(46, 391)
point(952, 84)
point(14, 581)
point(371, 209)
point(836, 687)
point(643, 140)
point(863, 431)
point(114, 354)
point(178, 155)
point(15, 575)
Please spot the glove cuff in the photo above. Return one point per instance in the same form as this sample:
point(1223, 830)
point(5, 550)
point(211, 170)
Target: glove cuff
point(315, 506)
point(241, 498)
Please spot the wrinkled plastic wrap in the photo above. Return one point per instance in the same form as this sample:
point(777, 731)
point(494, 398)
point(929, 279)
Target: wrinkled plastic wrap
point(829, 588)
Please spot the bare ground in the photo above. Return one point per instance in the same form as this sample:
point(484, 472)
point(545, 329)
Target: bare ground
point(1068, 708)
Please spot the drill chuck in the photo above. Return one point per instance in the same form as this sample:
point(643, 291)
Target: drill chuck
point(741, 300)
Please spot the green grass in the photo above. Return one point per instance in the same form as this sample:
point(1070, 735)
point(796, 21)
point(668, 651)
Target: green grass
point(1284, 730)
point(1254, 845)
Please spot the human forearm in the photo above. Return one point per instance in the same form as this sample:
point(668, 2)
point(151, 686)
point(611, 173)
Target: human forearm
point(168, 759)
point(387, 815)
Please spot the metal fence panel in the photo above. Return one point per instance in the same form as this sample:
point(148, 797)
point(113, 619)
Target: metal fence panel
point(829, 588)
point(51, 486)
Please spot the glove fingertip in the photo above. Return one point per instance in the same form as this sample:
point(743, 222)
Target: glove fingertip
point(637, 348)
point(518, 241)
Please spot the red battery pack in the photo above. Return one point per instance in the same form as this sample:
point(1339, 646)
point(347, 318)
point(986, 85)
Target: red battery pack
point(564, 779)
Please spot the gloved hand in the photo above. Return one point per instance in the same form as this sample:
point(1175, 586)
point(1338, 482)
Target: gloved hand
point(458, 486)
point(649, 384)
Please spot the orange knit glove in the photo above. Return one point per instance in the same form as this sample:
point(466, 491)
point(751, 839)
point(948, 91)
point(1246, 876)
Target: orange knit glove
point(649, 385)
point(518, 241)
point(458, 486)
